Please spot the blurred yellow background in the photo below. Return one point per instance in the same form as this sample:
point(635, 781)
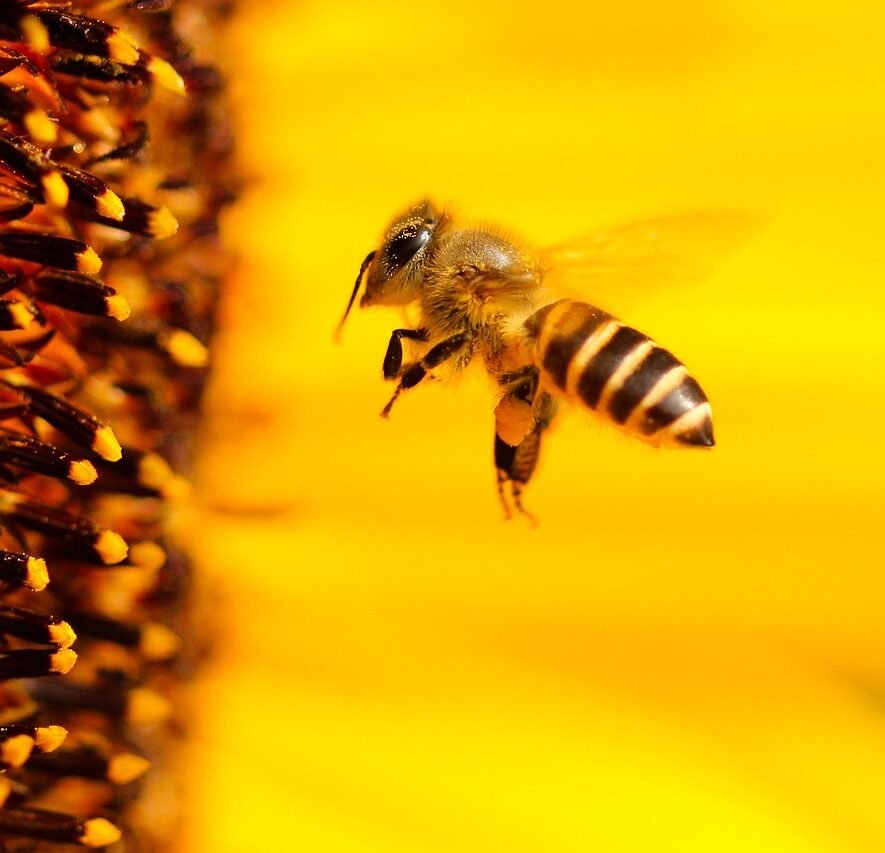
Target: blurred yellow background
point(688, 653)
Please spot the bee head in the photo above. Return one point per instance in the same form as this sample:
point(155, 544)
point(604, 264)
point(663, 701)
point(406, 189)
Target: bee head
point(394, 272)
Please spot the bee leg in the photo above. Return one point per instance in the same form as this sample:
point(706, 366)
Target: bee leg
point(393, 359)
point(516, 464)
point(517, 502)
point(504, 455)
point(434, 357)
point(522, 383)
point(514, 412)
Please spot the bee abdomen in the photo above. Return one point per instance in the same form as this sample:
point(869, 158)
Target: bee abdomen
point(620, 373)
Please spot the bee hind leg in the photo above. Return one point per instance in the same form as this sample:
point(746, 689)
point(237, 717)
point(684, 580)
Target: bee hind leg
point(516, 494)
point(515, 466)
point(434, 357)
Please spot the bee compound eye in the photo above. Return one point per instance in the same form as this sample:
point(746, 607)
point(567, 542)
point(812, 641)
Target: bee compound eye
point(405, 245)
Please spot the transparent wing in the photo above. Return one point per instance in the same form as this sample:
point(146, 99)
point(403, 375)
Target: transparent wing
point(682, 247)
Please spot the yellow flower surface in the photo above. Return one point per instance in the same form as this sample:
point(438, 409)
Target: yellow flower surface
point(688, 652)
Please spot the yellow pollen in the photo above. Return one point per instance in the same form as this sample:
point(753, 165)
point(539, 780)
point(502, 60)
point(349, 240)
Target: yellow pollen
point(41, 128)
point(37, 575)
point(35, 33)
point(62, 635)
point(49, 738)
point(105, 444)
point(111, 547)
point(162, 223)
point(16, 750)
point(123, 48)
point(158, 642)
point(117, 307)
point(98, 832)
point(147, 707)
point(165, 75)
point(55, 189)
point(126, 767)
point(82, 472)
point(177, 489)
point(20, 315)
point(100, 123)
point(63, 661)
point(185, 349)
point(154, 470)
point(88, 261)
point(147, 555)
point(109, 204)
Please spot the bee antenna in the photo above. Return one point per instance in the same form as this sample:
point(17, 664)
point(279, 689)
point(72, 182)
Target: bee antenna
point(363, 267)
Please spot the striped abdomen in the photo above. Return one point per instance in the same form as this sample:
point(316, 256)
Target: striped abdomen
point(590, 356)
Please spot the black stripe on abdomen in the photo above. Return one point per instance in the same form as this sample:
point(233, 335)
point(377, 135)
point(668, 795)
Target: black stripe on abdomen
point(601, 367)
point(683, 398)
point(637, 385)
point(569, 333)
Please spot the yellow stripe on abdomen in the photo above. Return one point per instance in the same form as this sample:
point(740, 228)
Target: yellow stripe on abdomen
point(588, 355)
point(564, 330)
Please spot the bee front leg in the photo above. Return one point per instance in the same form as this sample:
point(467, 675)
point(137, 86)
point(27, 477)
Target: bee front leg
point(393, 358)
point(434, 357)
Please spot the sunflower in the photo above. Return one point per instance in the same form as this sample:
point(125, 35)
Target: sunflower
point(113, 172)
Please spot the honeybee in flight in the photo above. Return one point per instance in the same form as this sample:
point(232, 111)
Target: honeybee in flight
point(479, 295)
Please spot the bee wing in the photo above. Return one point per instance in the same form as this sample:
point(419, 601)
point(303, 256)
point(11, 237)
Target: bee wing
point(682, 247)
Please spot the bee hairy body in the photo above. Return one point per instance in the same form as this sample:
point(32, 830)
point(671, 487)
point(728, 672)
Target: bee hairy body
point(478, 278)
point(476, 295)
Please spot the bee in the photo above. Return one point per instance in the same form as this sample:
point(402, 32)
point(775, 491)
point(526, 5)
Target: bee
point(478, 295)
